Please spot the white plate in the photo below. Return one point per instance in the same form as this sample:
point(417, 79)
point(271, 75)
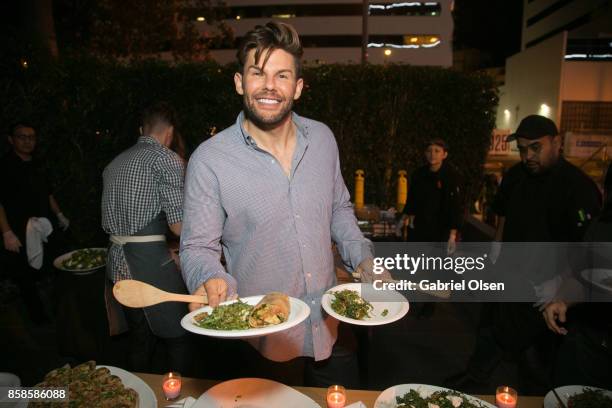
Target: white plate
point(396, 305)
point(597, 276)
point(11, 380)
point(146, 396)
point(550, 401)
point(386, 399)
point(299, 312)
point(58, 263)
point(253, 393)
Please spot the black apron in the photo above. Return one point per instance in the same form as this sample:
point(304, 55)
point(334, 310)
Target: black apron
point(151, 262)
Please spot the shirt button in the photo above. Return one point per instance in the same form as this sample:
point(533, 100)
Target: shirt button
point(304, 245)
point(271, 160)
point(297, 215)
point(313, 302)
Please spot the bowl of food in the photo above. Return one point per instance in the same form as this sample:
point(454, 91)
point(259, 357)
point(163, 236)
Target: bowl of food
point(82, 261)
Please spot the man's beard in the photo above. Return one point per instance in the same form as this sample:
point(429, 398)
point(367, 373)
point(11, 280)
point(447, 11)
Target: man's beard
point(265, 122)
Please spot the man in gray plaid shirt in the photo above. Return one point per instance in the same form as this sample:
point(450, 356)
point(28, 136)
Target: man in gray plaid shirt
point(142, 198)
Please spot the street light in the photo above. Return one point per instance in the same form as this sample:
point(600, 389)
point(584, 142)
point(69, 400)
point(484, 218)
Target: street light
point(386, 54)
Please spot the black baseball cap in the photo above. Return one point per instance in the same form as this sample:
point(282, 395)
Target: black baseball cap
point(534, 127)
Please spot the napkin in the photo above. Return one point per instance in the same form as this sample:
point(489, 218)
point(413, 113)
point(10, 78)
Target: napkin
point(357, 404)
point(182, 403)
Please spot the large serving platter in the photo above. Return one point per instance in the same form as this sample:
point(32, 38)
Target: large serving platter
point(253, 393)
point(386, 399)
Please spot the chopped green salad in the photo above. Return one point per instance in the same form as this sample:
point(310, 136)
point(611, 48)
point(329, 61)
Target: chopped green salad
point(441, 399)
point(234, 316)
point(348, 303)
point(589, 398)
point(85, 259)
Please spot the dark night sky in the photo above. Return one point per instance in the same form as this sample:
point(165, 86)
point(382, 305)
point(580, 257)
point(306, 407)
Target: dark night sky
point(492, 26)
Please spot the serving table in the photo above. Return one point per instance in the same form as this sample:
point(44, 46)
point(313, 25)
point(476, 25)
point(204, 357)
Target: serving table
point(193, 387)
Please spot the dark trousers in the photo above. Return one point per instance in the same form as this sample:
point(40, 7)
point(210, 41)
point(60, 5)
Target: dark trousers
point(585, 357)
point(25, 277)
point(143, 345)
point(515, 332)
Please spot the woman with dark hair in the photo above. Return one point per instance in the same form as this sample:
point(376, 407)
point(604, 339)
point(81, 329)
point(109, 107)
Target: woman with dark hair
point(433, 209)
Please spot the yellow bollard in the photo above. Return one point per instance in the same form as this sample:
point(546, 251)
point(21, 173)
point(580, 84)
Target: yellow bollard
point(359, 188)
point(402, 190)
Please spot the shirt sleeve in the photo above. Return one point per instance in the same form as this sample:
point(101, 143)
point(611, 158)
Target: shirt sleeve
point(500, 201)
point(203, 222)
point(352, 245)
point(409, 208)
point(170, 173)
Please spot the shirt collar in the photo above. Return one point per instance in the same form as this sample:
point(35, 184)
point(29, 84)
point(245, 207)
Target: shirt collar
point(302, 128)
point(147, 139)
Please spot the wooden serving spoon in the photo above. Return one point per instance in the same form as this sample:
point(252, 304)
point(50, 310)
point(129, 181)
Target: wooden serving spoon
point(133, 293)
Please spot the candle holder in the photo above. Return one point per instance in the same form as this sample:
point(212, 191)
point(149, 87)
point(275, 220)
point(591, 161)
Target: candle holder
point(171, 385)
point(506, 397)
point(336, 396)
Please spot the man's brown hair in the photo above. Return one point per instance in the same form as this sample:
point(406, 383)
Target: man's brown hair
point(270, 37)
point(159, 113)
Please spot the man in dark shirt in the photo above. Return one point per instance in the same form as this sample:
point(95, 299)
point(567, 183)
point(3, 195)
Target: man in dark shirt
point(24, 193)
point(544, 198)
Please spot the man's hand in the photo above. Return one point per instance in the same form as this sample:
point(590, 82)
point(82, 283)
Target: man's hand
point(553, 313)
point(451, 245)
point(367, 275)
point(63, 222)
point(496, 247)
point(216, 291)
point(11, 242)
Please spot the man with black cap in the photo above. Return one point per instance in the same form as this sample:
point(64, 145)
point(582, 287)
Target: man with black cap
point(544, 198)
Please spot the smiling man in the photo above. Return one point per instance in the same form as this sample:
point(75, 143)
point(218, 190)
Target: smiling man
point(268, 192)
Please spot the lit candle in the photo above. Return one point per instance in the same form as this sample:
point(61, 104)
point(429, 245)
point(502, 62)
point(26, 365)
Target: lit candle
point(336, 396)
point(172, 385)
point(506, 397)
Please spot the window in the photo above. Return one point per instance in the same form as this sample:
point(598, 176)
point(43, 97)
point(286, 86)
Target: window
point(586, 116)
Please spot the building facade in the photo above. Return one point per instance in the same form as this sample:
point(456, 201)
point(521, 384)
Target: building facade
point(417, 33)
point(564, 72)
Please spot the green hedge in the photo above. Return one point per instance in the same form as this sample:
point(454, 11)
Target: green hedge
point(86, 111)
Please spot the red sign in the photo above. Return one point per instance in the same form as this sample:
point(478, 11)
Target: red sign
point(499, 146)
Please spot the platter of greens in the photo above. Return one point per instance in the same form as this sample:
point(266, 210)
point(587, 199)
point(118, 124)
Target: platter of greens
point(345, 303)
point(426, 396)
point(82, 261)
point(579, 396)
point(233, 319)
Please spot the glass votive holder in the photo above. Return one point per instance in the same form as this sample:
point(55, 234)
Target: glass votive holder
point(336, 396)
point(172, 385)
point(506, 397)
